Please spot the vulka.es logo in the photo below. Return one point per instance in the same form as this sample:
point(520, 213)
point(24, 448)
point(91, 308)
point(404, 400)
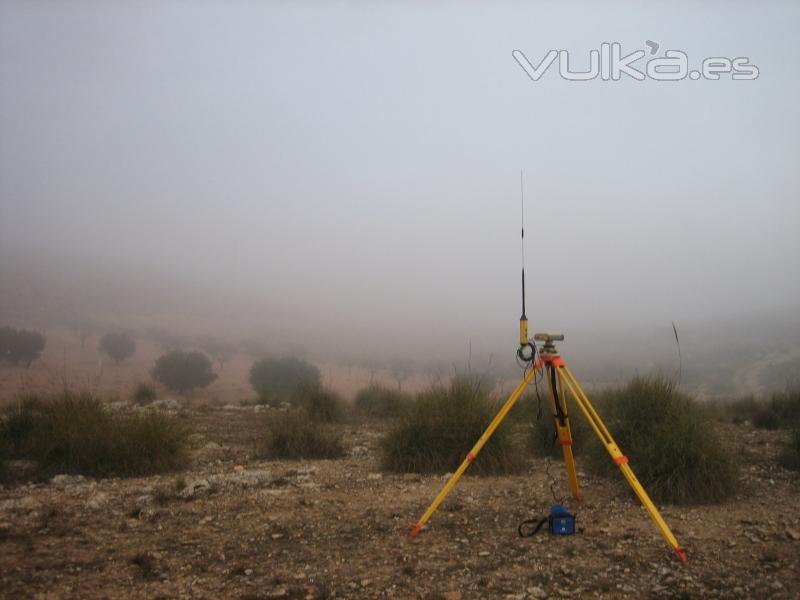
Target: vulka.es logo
point(609, 64)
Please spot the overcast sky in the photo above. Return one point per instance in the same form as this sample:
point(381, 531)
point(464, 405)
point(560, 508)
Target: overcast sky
point(361, 161)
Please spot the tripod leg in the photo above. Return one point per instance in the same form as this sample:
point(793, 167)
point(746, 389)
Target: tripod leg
point(558, 404)
point(619, 459)
point(451, 483)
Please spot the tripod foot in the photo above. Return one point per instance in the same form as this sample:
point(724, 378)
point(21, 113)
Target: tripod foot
point(681, 552)
point(415, 529)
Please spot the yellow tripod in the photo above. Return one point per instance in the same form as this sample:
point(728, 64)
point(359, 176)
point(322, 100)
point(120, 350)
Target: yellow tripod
point(561, 384)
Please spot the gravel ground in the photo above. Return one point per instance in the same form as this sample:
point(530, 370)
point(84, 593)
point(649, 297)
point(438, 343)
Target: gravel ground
point(235, 527)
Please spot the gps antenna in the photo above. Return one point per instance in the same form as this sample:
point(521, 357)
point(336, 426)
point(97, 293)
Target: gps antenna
point(523, 320)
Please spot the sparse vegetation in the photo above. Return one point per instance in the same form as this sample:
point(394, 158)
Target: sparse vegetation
point(442, 425)
point(670, 441)
point(278, 378)
point(144, 393)
point(20, 345)
point(782, 411)
point(293, 435)
point(118, 346)
point(73, 433)
point(182, 372)
point(379, 402)
point(738, 411)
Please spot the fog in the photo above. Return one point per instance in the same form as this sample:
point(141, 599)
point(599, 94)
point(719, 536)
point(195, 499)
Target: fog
point(345, 177)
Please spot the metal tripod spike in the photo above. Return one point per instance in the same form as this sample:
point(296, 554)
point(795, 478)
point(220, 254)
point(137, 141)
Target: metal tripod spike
point(561, 385)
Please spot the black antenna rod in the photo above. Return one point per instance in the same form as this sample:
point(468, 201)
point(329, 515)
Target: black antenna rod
point(523, 320)
point(522, 219)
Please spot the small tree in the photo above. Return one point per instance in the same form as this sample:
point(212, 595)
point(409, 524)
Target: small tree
point(181, 371)
point(282, 376)
point(7, 340)
point(401, 370)
point(83, 328)
point(20, 345)
point(118, 346)
point(218, 349)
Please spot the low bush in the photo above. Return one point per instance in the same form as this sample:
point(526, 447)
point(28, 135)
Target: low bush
point(281, 377)
point(736, 411)
point(118, 346)
point(764, 417)
point(379, 402)
point(294, 435)
point(73, 433)
point(144, 393)
point(181, 371)
point(670, 440)
point(320, 403)
point(441, 426)
point(781, 411)
point(790, 458)
point(20, 345)
point(787, 406)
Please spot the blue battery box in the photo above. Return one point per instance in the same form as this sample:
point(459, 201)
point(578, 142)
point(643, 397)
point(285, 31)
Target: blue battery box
point(560, 522)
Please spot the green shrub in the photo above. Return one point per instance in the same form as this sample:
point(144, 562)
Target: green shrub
point(181, 371)
point(781, 411)
point(266, 399)
point(379, 402)
point(735, 411)
point(293, 435)
point(786, 406)
point(3, 465)
point(20, 345)
point(73, 433)
point(281, 377)
point(764, 417)
point(320, 403)
point(144, 393)
point(790, 458)
point(670, 440)
point(118, 346)
point(442, 425)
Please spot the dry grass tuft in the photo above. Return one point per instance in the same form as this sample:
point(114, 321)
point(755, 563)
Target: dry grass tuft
point(441, 426)
point(73, 433)
point(294, 435)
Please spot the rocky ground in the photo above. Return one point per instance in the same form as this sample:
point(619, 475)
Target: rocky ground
point(232, 526)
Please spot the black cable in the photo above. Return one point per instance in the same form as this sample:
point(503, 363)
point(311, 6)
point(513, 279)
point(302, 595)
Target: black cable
point(530, 527)
point(551, 480)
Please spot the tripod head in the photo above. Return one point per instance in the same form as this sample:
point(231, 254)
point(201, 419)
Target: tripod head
point(548, 337)
point(548, 347)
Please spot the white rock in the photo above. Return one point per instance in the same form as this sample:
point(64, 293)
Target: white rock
point(97, 501)
point(537, 592)
point(359, 451)
point(65, 480)
point(26, 504)
point(166, 404)
point(195, 488)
